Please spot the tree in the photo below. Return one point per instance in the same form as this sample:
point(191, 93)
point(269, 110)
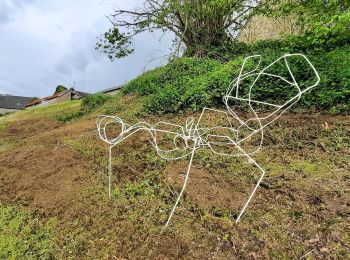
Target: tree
point(199, 25)
point(60, 88)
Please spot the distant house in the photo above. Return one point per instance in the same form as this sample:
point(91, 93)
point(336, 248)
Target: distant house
point(65, 95)
point(10, 103)
point(112, 91)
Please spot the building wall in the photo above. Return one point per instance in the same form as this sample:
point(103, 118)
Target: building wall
point(70, 95)
point(75, 96)
point(66, 97)
point(33, 106)
point(7, 110)
point(263, 28)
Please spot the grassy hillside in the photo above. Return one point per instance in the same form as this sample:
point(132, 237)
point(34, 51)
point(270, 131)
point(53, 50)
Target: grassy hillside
point(54, 201)
point(190, 83)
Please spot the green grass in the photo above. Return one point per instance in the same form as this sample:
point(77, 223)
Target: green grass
point(25, 234)
point(50, 111)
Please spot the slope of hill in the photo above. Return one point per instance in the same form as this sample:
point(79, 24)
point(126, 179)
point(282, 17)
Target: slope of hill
point(54, 201)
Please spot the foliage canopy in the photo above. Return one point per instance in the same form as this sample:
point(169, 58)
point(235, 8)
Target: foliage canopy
point(322, 22)
point(60, 88)
point(199, 25)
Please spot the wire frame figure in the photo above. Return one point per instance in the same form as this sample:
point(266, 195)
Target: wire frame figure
point(238, 136)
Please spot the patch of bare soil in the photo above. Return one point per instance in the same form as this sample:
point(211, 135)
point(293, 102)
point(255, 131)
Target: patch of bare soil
point(40, 172)
point(21, 129)
point(207, 191)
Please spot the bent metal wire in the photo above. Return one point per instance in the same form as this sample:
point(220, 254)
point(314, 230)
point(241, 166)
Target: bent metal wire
point(194, 136)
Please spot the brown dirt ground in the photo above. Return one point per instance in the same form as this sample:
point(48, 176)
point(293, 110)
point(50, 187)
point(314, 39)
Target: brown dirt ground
point(41, 172)
point(38, 170)
point(206, 190)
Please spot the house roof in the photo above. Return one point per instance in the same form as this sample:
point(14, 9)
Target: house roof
point(14, 102)
point(59, 94)
point(112, 89)
point(34, 102)
point(82, 94)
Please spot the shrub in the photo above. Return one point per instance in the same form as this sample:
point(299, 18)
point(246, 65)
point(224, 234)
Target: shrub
point(94, 101)
point(88, 104)
point(177, 73)
point(69, 116)
point(59, 89)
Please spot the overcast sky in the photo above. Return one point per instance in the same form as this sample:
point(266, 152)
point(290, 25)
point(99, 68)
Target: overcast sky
point(46, 43)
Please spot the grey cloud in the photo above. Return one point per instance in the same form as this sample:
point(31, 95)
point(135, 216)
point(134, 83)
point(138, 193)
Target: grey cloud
point(22, 3)
point(5, 11)
point(74, 61)
point(10, 8)
point(4, 16)
point(64, 53)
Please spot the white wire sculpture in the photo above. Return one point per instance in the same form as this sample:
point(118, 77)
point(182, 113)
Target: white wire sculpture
point(193, 136)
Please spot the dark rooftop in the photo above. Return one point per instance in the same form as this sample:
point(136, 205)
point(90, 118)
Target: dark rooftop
point(14, 102)
point(112, 89)
point(83, 94)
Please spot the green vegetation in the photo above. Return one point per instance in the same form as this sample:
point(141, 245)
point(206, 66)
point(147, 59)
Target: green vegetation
point(88, 104)
point(210, 28)
point(192, 83)
point(302, 201)
point(51, 111)
point(69, 116)
point(25, 234)
point(5, 114)
point(203, 27)
point(94, 101)
point(301, 209)
point(59, 89)
point(322, 24)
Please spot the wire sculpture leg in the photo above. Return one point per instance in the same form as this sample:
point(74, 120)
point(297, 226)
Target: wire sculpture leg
point(256, 186)
point(110, 173)
point(184, 185)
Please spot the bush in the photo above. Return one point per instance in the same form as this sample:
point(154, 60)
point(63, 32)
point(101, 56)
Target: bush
point(168, 86)
point(88, 104)
point(177, 73)
point(69, 116)
point(191, 83)
point(94, 101)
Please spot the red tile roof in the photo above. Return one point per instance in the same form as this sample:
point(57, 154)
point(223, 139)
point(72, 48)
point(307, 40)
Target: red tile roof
point(34, 102)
